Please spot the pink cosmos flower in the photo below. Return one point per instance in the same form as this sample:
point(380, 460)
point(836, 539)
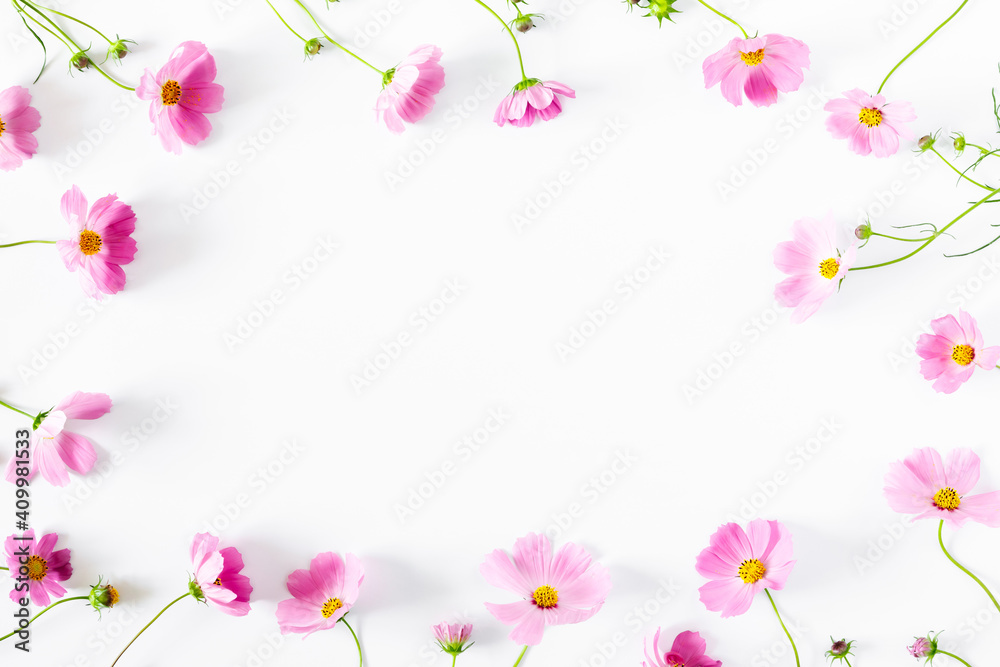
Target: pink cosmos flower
point(759, 67)
point(101, 241)
point(532, 99)
point(742, 564)
point(924, 485)
point(217, 574)
point(409, 88)
point(56, 450)
point(18, 120)
point(566, 588)
point(322, 595)
point(45, 566)
point(953, 351)
point(921, 648)
point(869, 124)
point(182, 92)
point(814, 262)
point(452, 637)
point(688, 650)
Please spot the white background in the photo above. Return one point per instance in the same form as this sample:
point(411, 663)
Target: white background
point(655, 184)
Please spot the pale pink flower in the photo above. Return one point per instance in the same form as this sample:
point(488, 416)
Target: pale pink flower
point(218, 575)
point(182, 92)
point(45, 566)
point(953, 352)
point(688, 650)
point(529, 100)
point(869, 123)
point(815, 264)
point(560, 589)
point(101, 241)
point(760, 67)
point(54, 450)
point(452, 637)
point(18, 121)
point(924, 485)
point(409, 88)
point(322, 595)
point(741, 564)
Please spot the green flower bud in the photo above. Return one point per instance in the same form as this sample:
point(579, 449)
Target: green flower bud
point(80, 61)
point(103, 596)
point(119, 49)
point(662, 9)
point(959, 143)
point(863, 232)
point(840, 649)
point(312, 47)
point(926, 142)
point(523, 23)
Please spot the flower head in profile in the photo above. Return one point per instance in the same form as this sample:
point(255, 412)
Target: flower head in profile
point(103, 596)
point(839, 650)
point(932, 488)
point(741, 563)
point(532, 99)
point(101, 241)
point(924, 647)
point(953, 352)
point(565, 588)
point(18, 122)
point(321, 595)
point(869, 123)
point(453, 638)
point(218, 577)
point(181, 93)
point(40, 563)
point(408, 89)
point(758, 67)
point(688, 650)
point(815, 264)
point(55, 450)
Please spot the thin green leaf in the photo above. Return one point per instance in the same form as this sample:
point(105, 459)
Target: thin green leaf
point(45, 53)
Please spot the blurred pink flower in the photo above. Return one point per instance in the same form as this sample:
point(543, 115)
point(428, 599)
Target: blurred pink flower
point(18, 121)
point(46, 567)
point(101, 242)
point(688, 650)
point(218, 575)
point(322, 595)
point(409, 88)
point(869, 124)
point(529, 100)
point(814, 262)
point(758, 67)
point(953, 352)
point(182, 92)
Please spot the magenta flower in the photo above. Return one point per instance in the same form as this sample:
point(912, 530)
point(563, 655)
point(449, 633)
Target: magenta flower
point(56, 450)
point(529, 100)
point(452, 637)
point(759, 67)
point(815, 265)
point(45, 567)
point(742, 564)
point(409, 88)
point(566, 588)
point(688, 650)
point(18, 121)
point(182, 92)
point(322, 595)
point(953, 352)
point(218, 576)
point(921, 648)
point(101, 242)
point(924, 485)
point(869, 124)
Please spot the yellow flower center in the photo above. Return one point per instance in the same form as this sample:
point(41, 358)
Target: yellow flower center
point(963, 355)
point(753, 58)
point(3, 127)
point(218, 581)
point(870, 117)
point(545, 597)
point(829, 268)
point(170, 93)
point(90, 242)
point(114, 596)
point(331, 606)
point(38, 567)
point(752, 571)
point(947, 499)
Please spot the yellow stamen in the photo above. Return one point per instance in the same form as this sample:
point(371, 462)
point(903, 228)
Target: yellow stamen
point(217, 582)
point(114, 596)
point(752, 571)
point(38, 568)
point(545, 597)
point(829, 268)
point(3, 127)
point(170, 93)
point(331, 606)
point(870, 117)
point(963, 355)
point(753, 58)
point(947, 499)
point(90, 242)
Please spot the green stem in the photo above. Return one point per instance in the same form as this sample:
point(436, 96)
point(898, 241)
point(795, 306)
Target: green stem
point(39, 614)
point(931, 239)
point(73, 18)
point(957, 171)
point(523, 651)
point(146, 626)
point(713, 9)
point(896, 238)
point(787, 633)
point(286, 23)
point(361, 657)
point(952, 655)
point(11, 407)
point(453, 659)
point(847, 661)
point(959, 566)
point(11, 245)
point(917, 47)
point(520, 60)
point(336, 43)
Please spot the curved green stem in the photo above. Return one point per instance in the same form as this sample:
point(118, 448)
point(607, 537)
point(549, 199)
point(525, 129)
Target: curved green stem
point(39, 614)
point(11, 245)
point(523, 651)
point(73, 18)
point(896, 238)
point(917, 47)
point(146, 626)
point(713, 9)
point(847, 661)
point(11, 407)
point(952, 655)
point(957, 171)
point(959, 566)
point(335, 42)
point(931, 239)
point(787, 633)
point(286, 22)
point(361, 657)
point(520, 60)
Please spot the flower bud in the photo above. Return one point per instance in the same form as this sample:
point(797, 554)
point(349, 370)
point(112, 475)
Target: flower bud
point(662, 9)
point(453, 638)
point(119, 49)
point(312, 47)
point(864, 231)
point(925, 142)
point(80, 61)
point(959, 143)
point(923, 647)
point(523, 23)
point(103, 596)
point(840, 649)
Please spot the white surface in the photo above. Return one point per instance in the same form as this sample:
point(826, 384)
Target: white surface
point(322, 176)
